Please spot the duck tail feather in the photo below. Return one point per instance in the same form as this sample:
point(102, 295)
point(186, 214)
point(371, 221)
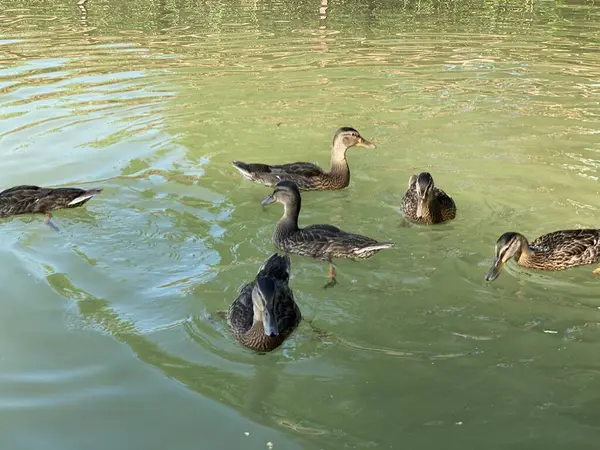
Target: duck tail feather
point(86, 195)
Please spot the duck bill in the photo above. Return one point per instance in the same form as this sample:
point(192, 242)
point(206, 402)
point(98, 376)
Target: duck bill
point(270, 324)
point(420, 207)
point(268, 200)
point(495, 270)
point(364, 143)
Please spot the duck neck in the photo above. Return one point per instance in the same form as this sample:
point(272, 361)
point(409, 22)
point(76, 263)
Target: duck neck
point(339, 164)
point(527, 256)
point(289, 221)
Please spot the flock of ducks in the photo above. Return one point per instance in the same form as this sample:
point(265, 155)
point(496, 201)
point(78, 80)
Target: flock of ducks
point(265, 313)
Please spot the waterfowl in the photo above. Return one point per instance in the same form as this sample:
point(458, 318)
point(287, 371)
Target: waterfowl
point(425, 204)
point(308, 176)
point(554, 251)
point(264, 314)
point(27, 199)
point(324, 242)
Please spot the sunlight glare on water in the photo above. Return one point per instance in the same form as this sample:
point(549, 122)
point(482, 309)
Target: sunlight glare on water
point(110, 337)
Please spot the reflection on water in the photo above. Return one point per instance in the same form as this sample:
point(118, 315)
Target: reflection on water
point(114, 319)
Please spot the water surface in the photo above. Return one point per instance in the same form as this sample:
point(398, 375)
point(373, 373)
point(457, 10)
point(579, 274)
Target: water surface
point(108, 335)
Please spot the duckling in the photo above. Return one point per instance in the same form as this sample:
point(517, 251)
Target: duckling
point(308, 176)
point(425, 204)
point(27, 199)
point(324, 242)
point(264, 314)
point(554, 251)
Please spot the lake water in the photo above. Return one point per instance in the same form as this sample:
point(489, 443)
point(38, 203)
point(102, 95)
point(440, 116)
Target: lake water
point(108, 332)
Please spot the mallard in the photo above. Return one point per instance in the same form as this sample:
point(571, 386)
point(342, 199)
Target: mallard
point(423, 203)
point(554, 251)
point(324, 242)
point(308, 176)
point(27, 199)
point(264, 314)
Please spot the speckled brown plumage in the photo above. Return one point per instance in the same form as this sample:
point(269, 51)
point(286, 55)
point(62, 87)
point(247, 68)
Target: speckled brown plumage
point(324, 242)
point(437, 207)
point(553, 251)
point(244, 324)
point(34, 199)
point(308, 176)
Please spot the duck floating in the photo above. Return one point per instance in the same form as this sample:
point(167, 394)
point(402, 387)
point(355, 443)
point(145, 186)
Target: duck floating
point(308, 176)
point(424, 203)
point(265, 313)
point(27, 199)
point(325, 242)
point(554, 251)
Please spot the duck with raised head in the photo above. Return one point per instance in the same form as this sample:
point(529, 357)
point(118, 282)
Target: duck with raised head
point(308, 176)
point(554, 251)
point(424, 203)
point(27, 199)
point(264, 314)
point(325, 242)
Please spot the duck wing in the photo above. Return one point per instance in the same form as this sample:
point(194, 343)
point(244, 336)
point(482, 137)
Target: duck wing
point(327, 242)
point(300, 169)
point(34, 199)
point(287, 311)
point(241, 313)
point(23, 187)
point(447, 205)
point(302, 173)
point(568, 245)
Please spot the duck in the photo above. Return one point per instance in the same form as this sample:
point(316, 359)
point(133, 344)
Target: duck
point(308, 176)
point(265, 313)
point(424, 203)
point(553, 251)
point(324, 242)
point(28, 199)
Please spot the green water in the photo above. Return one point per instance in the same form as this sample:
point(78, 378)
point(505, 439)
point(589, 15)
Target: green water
point(107, 335)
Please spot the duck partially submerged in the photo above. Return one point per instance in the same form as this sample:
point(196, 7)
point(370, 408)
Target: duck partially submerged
point(554, 251)
point(264, 314)
point(425, 204)
point(308, 176)
point(28, 199)
point(325, 242)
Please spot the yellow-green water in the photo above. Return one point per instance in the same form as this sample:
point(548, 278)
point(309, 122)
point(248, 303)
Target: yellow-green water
point(107, 335)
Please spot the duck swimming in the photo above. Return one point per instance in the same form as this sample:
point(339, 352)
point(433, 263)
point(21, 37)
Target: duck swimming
point(554, 251)
point(308, 176)
point(324, 242)
point(27, 199)
point(264, 314)
point(425, 204)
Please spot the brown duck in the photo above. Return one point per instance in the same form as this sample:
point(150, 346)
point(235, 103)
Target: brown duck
point(308, 176)
point(554, 251)
point(27, 199)
point(324, 242)
point(264, 314)
point(425, 204)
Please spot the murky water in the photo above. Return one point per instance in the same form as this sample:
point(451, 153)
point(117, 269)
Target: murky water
point(108, 335)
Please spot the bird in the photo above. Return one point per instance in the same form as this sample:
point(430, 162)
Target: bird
point(324, 242)
point(425, 204)
point(27, 199)
point(265, 313)
point(553, 251)
point(308, 176)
